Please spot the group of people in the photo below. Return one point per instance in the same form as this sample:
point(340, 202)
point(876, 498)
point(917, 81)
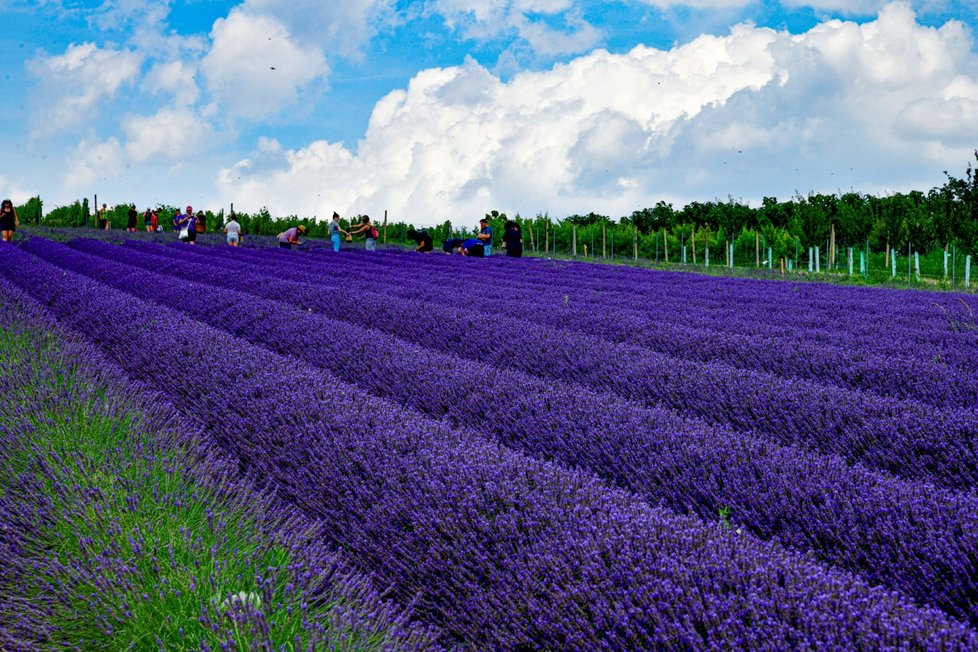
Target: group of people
point(479, 246)
point(188, 224)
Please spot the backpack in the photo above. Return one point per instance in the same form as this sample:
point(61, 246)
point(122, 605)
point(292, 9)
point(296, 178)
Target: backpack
point(373, 233)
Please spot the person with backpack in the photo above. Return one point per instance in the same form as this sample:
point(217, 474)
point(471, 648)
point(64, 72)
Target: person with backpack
point(335, 230)
point(148, 221)
point(424, 241)
point(290, 237)
point(369, 231)
point(201, 222)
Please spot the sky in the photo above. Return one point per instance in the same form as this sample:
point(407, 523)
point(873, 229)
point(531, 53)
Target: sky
point(437, 110)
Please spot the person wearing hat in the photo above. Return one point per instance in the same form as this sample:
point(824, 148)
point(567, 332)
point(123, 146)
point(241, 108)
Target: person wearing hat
point(290, 237)
point(485, 235)
point(335, 230)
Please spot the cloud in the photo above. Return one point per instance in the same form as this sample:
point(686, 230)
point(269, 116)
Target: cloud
point(177, 78)
point(72, 87)
point(531, 22)
point(93, 161)
point(171, 133)
point(339, 28)
point(255, 68)
point(125, 15)
point(753, 113)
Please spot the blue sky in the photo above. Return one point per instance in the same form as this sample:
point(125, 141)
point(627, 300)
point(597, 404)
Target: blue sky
point(445, 109)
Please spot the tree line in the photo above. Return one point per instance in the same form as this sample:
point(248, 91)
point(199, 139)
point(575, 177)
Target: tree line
point(941, 218)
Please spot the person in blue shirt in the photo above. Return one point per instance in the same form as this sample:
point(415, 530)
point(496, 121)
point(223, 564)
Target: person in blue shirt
point(451, 245)
point(485, 235)
point(472, 247)
point(186, 221)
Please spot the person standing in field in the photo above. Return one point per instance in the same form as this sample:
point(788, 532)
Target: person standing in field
point(513, 240)
point(485, 235)
point(8, 220)
point(131, 216)
point(365, 227)
point(148, 221)
point(186, 225)
point(201, 222)
point(424, 241)
point(290, 238)
point(154, 221)
point(335, 230)
point(102, 215)
point(233, 230)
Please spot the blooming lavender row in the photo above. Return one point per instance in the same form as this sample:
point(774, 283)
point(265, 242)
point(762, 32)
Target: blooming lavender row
point(861, 309)
point(905, 438)
point(87, 528)
point(501, 550)
point(880, 320)
point(898, 377)
point(939, 372)
point(939, 330)
point(902, 535)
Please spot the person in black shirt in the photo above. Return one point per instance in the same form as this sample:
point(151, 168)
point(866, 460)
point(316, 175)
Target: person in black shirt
point(133, 216)
point(425, 241)
point(513, 240)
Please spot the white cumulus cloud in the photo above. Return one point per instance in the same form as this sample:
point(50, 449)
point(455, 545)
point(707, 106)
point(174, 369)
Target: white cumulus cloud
point(72, 86)
point(256, 68)
point(753, 113)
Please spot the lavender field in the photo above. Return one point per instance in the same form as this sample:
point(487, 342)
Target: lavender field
point(396, 451)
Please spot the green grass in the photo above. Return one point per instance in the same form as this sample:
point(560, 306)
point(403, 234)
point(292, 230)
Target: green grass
point(127, 549)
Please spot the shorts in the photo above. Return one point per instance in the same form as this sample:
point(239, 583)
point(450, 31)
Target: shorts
point(191, 237)
point(7, 224)
point(285, 245)
point(488, 250)
point(370, 244)
point(232, 237)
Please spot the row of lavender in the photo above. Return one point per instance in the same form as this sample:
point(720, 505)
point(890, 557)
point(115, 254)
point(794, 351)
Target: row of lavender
point(119, 525)
point(905, 437)
point(498, 548)
point(700, 338)
point(887, 529)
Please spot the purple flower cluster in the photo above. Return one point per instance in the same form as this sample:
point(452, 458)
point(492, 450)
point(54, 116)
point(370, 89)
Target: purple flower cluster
point(499, 549)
